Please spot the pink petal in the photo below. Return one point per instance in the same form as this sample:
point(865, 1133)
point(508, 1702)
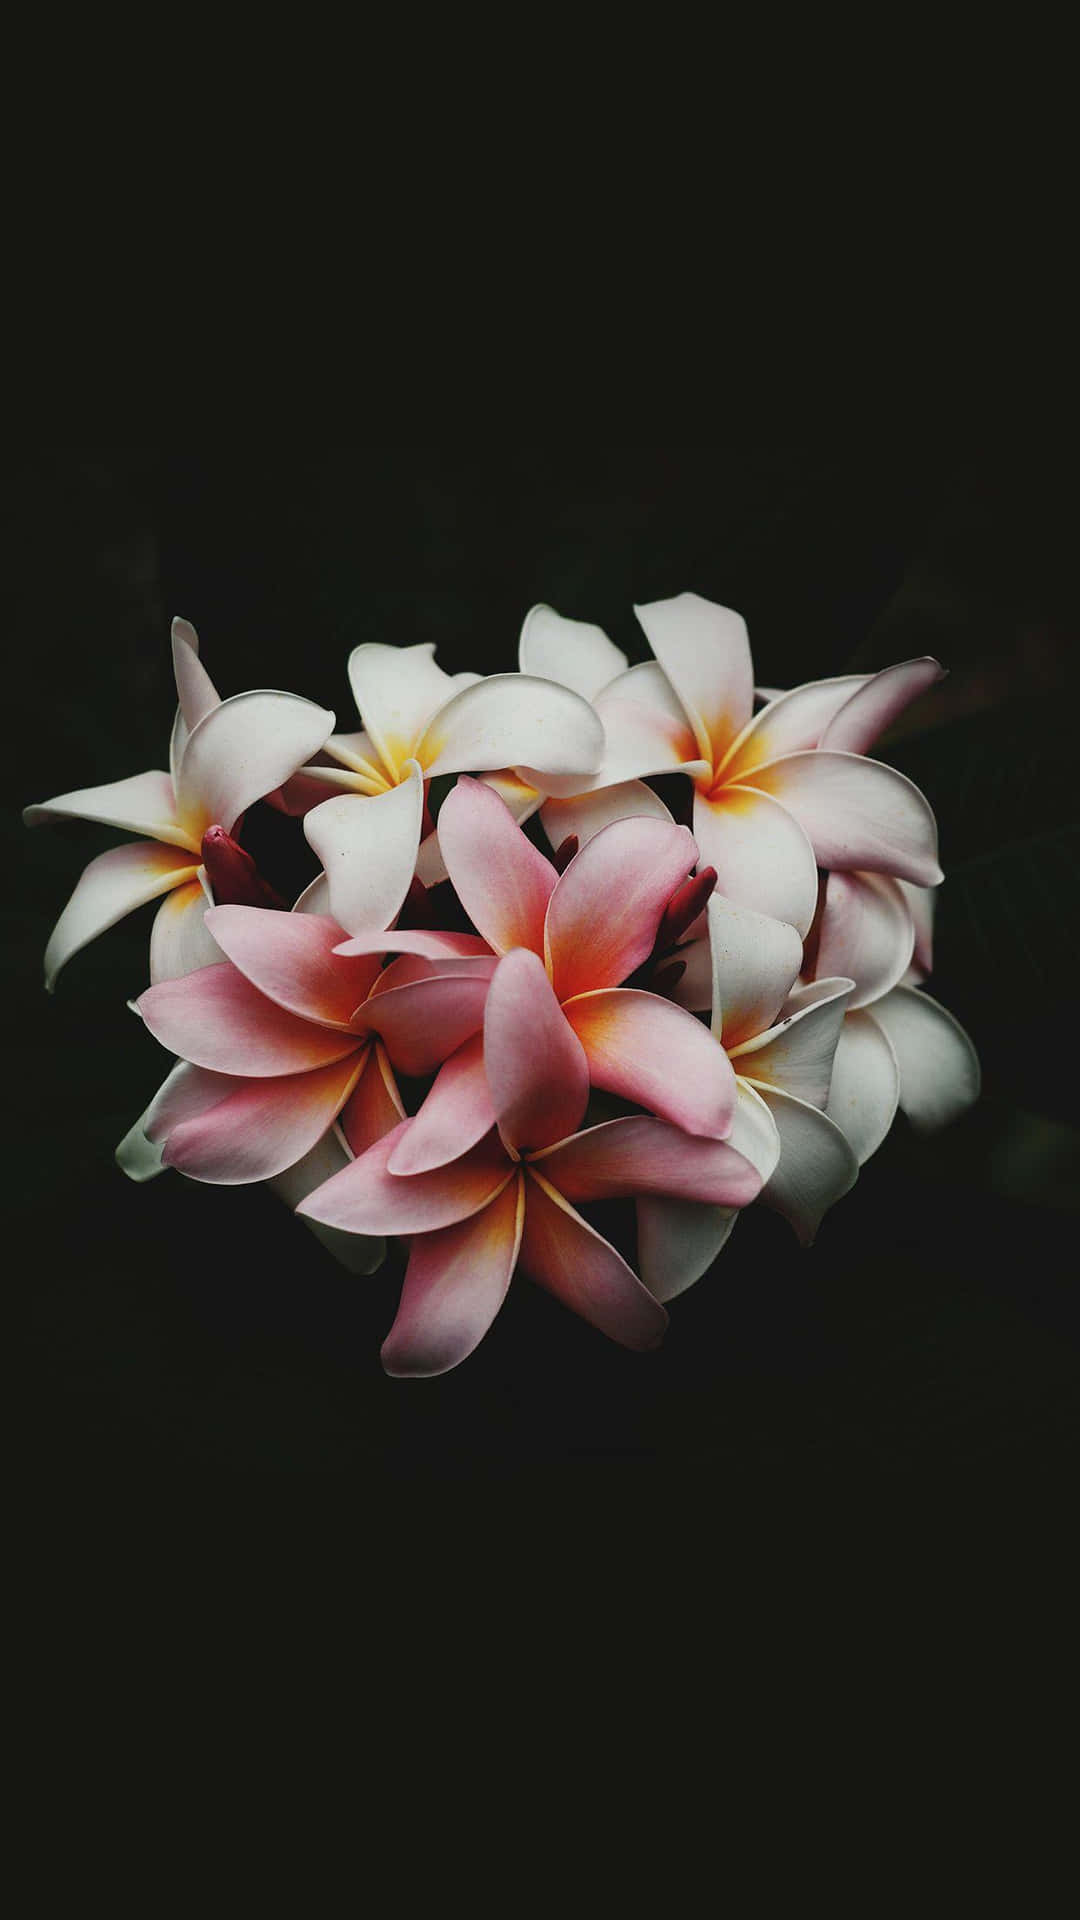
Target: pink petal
point(797, 1054)
point(293, 959)
point(141, 804)
point(503, 882)
point(604, 913)
point(397, 689)
point(112, 885)
point(425, 1021)
point(865, 1085)
point(939, 1067)
point(866, 933)
point(877, 704)
point(572, 652)
point(791, 723)
point(185, 1094)
point(705, 653)
point(561, 1252)
point(368, 848)
point(817, 1166)
point(374, 1108)
point(242, 749)
point(677, 1242)
point(217, 1019)
point(762, 857)
point(425, 942)
point(263, 1127)
point(457, 1112)
point(512, 720)
point(654, 1053)
point(587, 813)
point(455, 1283)
point(856, 813)
point(179, 940)
point(622, 1158)
point(366, 1198)
point(755, 963)
point(536, 1070)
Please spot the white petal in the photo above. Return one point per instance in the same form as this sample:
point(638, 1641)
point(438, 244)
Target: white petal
point(939, 1067)
point(137, 1156)
point(577, 655)
point(179, 941)
point(856, 813)
point(111, 886)
point(195, 690)
point(586, 813)
point(866, 933)
point(141, 804)
point(397, 690)
point(791, 722)
point(515, 794)
point(865, 1085)
point(368, 848)
point(762, 857)
point(677, 1241)
point(242, 750)
point(876, 705)
point(357, 1252)
point(755, 963)
point(817, 1166)
point(315, 897)
point(796, 1055)
point(512, 720)
point(922, 904)
point(705, 653)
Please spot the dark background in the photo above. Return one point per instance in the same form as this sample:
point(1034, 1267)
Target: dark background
point(176, 1330)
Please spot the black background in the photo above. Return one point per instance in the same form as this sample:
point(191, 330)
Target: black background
point(175, 1330)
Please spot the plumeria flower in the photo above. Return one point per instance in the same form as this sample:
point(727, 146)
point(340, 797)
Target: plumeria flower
point(590, 928)
point(279, 1039)
point(898, 1047)
point(447, 723)
point(223, 756)
point(510, 1200)
point(780, 1039)
point(777, 793)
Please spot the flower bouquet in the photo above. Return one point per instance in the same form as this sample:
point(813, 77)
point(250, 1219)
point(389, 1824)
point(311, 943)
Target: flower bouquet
point(463, 1032)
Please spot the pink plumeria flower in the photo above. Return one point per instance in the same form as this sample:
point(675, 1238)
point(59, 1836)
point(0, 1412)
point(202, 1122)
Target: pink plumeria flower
point(898, 1047)
point(510, 1200)
point(777, 793)
point(780, 1039)
point(447, 723)
point(224, 755)
point(591, 928)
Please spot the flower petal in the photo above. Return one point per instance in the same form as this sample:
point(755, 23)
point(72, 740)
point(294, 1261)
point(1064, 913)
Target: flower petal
point(856, 813)
point(791, 723)
point(762, 857)
point(195, 690)
point(366, 1198)
point(603, 915)
point(694, 987)
point(797, 1054)
point(922, 902)
point(561, 1252)
point(183, 1095)
point(141, 804)
point(939, 1067)
point(374, 1107)
point(536, 1070)
point(755, 963)
point(876, 705)
point(397, 690)
point(137, 1156)
point(217, 1019)
point(513, 720)
point(503, 882)
point(368, 849)
point(179, 940)
point(816, 1168)
point(294, 959)
point(243, 749)
point(356, 1252)
point(677, 1242)
point(656, 1054)
point(586, 814)
point(424, 1021)
point(705, 653)
point(865, 1085)
point(645, 732)
point(456, 1113)
point(515, 793)
point(112, 885)
point(455, 1283)
point(866, 933)
point(427, 943)
point(263, 1127)
point(577, 655)
point(622, 1158)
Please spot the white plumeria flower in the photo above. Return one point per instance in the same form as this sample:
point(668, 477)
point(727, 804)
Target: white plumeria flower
point(223, 756)
point(780, 1039)
point(448, 723)
point(777, 793)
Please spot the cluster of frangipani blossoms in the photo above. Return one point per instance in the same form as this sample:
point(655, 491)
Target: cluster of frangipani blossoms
point(460, 1040)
